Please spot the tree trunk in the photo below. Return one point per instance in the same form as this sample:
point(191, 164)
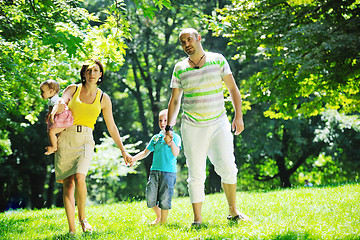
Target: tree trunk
point(50, 191)
point(37, 190)
point(214, 181)
point(283, 172)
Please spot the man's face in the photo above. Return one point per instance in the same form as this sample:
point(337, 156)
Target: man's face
point(189, 43)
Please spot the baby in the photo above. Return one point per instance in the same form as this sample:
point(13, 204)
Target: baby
point(56, 122)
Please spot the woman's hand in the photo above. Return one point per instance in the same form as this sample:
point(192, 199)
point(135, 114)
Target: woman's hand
point(127, 157)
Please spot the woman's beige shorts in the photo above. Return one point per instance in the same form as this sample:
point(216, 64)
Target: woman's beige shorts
point(75, 151)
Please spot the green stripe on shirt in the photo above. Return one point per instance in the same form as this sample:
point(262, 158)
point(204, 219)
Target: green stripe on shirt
point(204, 93)
point(203, 120)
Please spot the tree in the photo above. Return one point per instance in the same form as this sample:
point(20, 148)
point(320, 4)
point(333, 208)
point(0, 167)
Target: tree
point(294, 61)
point(310, 53)
point(37, 42)
point(41, 40)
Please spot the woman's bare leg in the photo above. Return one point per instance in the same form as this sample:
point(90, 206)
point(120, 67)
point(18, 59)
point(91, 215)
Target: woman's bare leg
point(69, 201)
point(80, 194)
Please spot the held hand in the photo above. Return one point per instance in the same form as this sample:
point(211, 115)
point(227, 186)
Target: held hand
point(238, 125)
point(169, 133)
point(168, 139)
point(127, 157)
point(132, 161)
point(61, 107)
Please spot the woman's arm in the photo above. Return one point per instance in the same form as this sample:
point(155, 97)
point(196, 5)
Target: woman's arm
point(107, 112)
point(66, 97)
point(68, 93)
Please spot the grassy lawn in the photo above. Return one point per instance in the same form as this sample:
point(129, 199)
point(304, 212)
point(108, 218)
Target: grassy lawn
point(303, 213)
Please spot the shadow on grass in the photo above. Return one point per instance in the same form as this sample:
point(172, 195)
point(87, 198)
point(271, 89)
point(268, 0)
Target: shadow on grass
point(186, 227)
point(206, 225)
point(299, 235)
point(94, 235)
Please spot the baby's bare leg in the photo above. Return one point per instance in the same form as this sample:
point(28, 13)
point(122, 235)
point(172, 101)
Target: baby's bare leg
point(53, 140)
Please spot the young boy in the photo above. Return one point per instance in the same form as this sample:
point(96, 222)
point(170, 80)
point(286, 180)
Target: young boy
point(160, 186)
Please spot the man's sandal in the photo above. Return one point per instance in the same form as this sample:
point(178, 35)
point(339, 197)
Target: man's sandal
point(241, 217)
point(86, 227)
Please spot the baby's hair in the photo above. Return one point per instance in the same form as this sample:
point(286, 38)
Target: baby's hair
point(162, 112)
point(52, 84)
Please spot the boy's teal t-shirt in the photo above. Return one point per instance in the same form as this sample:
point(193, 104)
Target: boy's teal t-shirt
point(163, 158)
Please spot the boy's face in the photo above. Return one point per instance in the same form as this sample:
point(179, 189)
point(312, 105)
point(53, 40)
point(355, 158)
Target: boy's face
point(162, 121)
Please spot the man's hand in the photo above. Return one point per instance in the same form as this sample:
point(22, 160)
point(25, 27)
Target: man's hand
point(238, 125)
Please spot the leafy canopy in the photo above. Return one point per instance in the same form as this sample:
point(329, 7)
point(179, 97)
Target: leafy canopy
point(310, 52)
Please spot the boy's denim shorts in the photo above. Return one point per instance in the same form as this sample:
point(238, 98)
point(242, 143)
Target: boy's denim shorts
point(160, 189)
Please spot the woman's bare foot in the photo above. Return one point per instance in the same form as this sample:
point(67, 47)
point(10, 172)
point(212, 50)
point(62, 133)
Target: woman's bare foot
point(50, 150)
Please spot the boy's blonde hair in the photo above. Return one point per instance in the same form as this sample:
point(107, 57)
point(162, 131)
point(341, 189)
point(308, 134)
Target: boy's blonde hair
point(163, 112)
point(52, 84)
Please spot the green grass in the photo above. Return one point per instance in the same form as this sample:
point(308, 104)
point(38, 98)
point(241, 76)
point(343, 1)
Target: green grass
point(303, 213)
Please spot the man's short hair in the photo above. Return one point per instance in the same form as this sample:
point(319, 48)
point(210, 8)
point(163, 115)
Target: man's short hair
point(189, 30)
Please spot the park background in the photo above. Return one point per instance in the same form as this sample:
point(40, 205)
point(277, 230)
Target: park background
point(296, 64)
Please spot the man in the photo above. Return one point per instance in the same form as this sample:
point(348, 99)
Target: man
point(205, 128)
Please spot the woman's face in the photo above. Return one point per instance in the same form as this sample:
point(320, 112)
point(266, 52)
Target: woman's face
point(93, 73)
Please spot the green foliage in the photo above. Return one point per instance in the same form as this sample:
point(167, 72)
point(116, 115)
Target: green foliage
point(293, 58)
point(42, 40)
point(278, 152)
point(309, 52)
point(37, 41)
point(149, 9)
point(303, 213)
point(106, 171)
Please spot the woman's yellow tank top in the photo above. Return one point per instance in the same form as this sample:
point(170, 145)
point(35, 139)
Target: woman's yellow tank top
point(83, 113)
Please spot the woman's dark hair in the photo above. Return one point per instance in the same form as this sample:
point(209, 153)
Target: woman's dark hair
point(86, 65)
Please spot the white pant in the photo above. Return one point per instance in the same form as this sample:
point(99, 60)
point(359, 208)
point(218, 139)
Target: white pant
point(216, 142)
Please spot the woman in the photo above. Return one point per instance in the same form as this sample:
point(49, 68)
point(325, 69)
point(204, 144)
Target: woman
point(76, 144)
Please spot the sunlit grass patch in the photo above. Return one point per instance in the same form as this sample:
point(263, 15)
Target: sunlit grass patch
point(303, 213)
